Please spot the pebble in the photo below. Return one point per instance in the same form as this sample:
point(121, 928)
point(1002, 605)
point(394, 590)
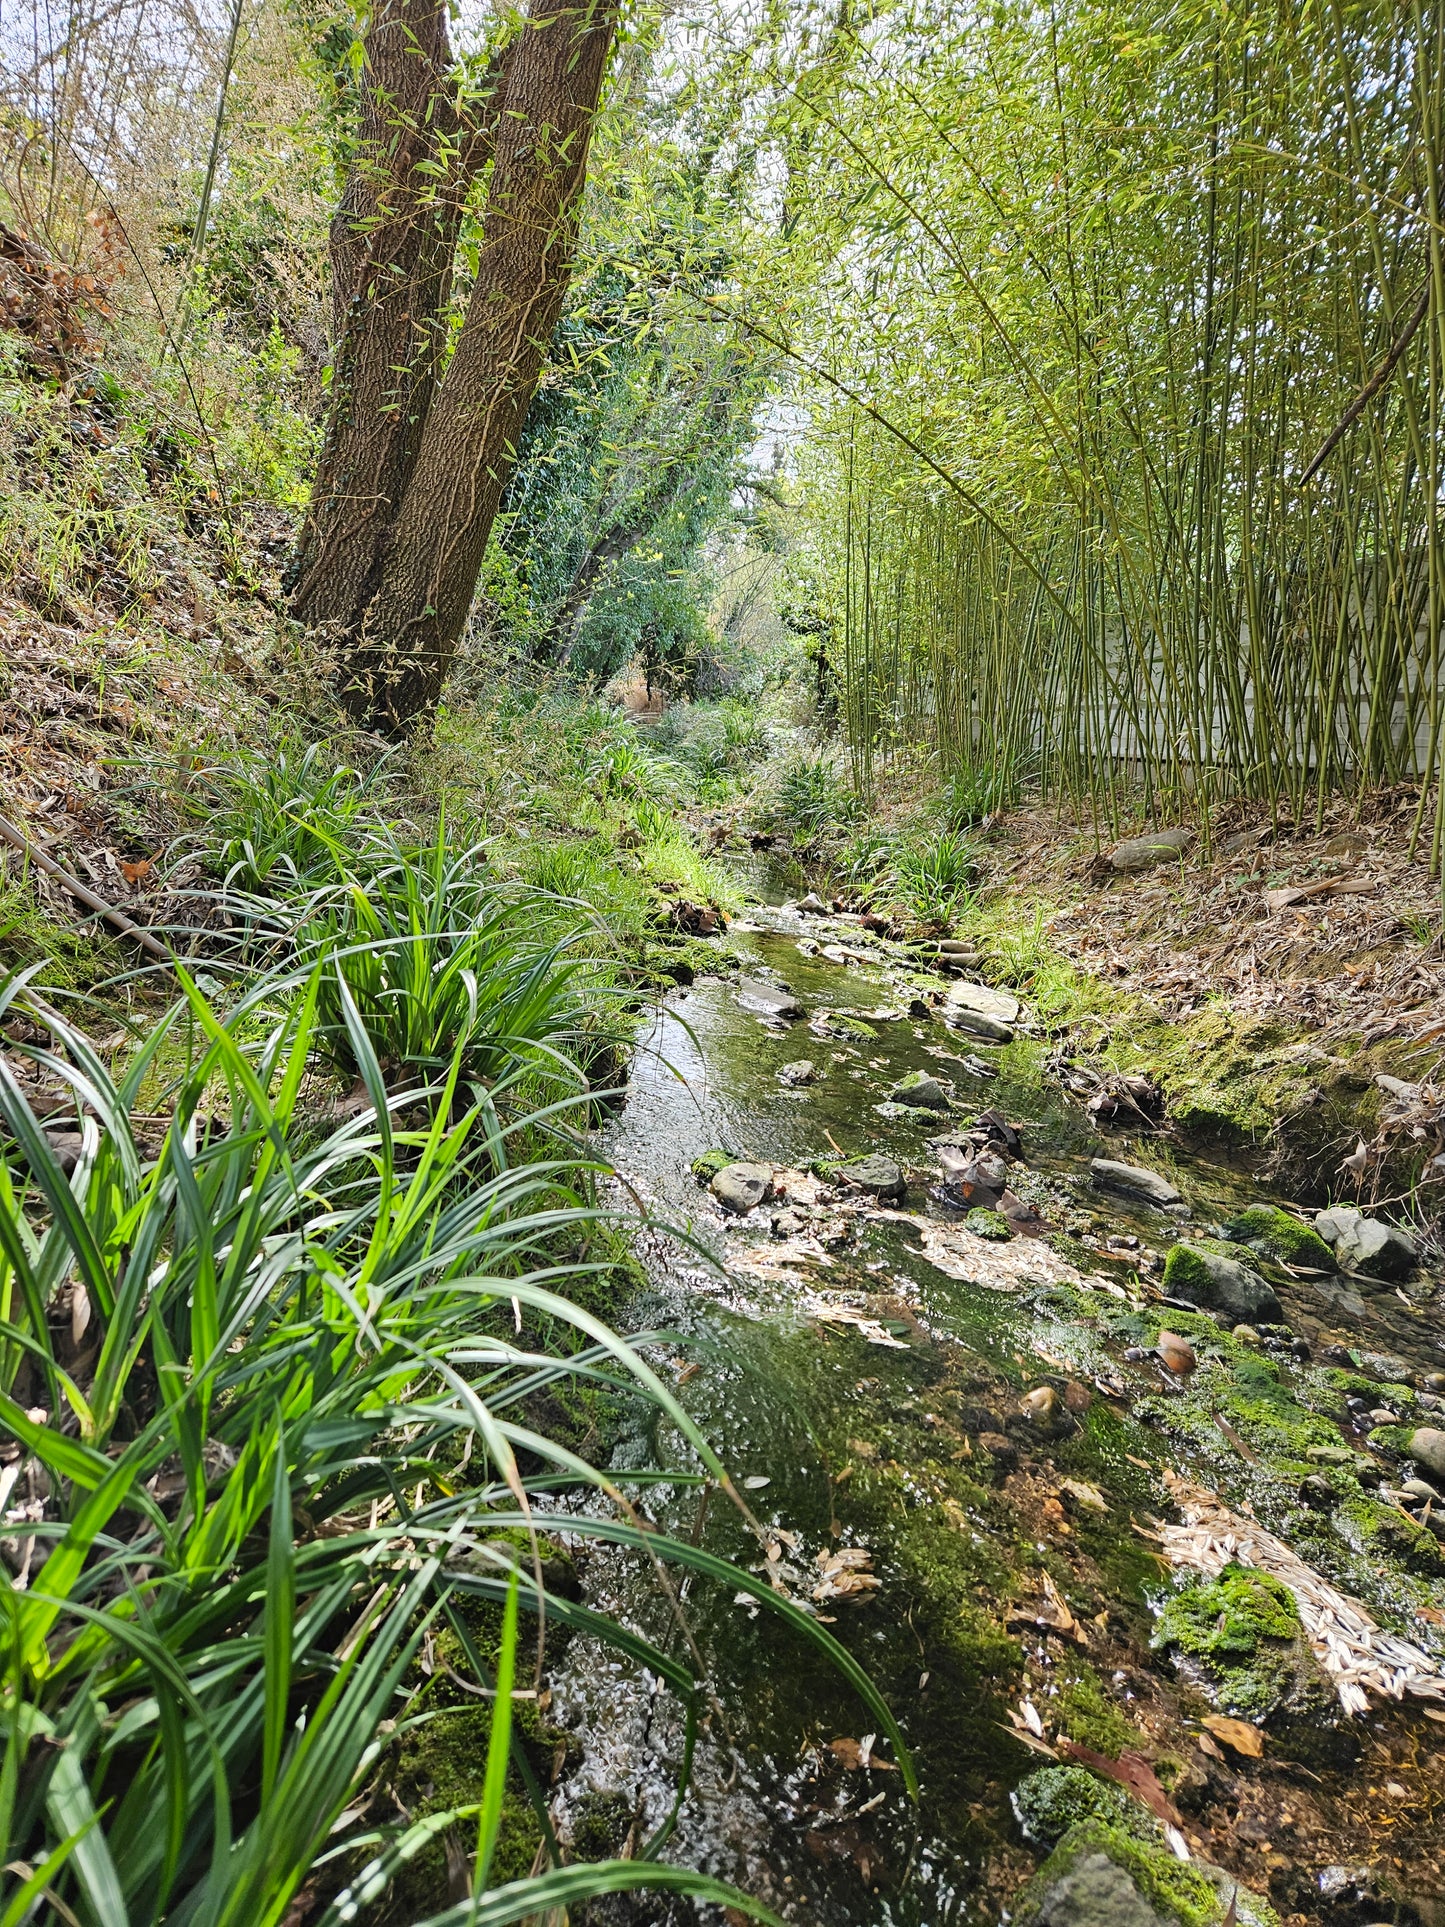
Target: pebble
point(1422, 1493)
point(1433, 1382)
point(812, 905)
point(1427, 1448)
point(803, 1071)
point(1317, 1493)
point(1041, 1405)
point(1246, 1335)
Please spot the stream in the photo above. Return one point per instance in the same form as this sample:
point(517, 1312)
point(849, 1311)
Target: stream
point(847, 1376)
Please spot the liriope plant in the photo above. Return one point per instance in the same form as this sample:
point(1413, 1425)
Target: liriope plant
point(270, 1384)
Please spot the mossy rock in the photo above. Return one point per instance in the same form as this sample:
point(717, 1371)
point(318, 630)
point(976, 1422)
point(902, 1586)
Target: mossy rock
point(1207, 1278)
point(984, 1223)
point(1241, 1631)
point(854, 1027)
point(1229, 1624)
point(1086, 1713)
point(1057, 1798)
point(1275, 1234)
point(1381, 1528)
point(1103, 1875)
point(706, 1168)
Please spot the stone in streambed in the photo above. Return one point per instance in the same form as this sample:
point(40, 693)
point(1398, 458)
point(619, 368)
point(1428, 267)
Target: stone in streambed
point(1001, 1005)
point(1367, 1245)
point(875, 1174)
point(1275, 1234)
point(742, 1187)
point(1427, 1448)
point(812, 905)
point(921, 1093)
point(804, 1071)
point(767, 1000)
point(1133, 1181)
point(1204, 1278)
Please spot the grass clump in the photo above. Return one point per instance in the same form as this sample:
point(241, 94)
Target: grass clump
point(275, 1375)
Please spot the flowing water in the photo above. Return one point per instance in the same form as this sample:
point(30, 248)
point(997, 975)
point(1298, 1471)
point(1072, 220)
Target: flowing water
point(863, 1436)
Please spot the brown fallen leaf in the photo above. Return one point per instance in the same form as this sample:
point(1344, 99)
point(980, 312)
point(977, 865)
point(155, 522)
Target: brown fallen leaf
point(1236, 1734)
point(1130, 1771)
point(133, 872)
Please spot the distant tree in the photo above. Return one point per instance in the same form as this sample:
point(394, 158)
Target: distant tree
point(425, 413)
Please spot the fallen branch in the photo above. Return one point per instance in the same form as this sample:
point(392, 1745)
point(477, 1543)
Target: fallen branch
point(87, 896)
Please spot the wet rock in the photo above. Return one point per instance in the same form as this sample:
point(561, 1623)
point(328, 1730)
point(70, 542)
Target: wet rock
point(1377, 1250)
point(1350, 1893)
point(767, 1000)
point(1317, 1493)
point(984, 1001)
point(1433, 1382)
point(921, 1092)
point(879, 1176)
point(803, 1071)
point(1427, 1449)
point(1275, 1234)
point(979, 1024)
point(1204, 1278)
point(1138, 853)
point(1246, 1335)
point(1133, 1181)
point(1088, 1890)
point(986, 1223)
point(811, 905)
point(742, 1187)
point(788, 1224)
point(1078, 1398)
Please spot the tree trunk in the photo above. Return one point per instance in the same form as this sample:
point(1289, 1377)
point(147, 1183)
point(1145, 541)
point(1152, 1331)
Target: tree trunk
point(397, 569)
point(392, 243)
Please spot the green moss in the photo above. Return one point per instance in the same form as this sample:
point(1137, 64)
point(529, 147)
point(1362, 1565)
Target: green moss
point(706, 1168)
point(1088, 1716)
point(984, 1223)
point(850, 1027)
point(1049, 1803)
point(1243, 1630)
point(1276, 1234)
point(1380, 1528)
point(1176, 1889)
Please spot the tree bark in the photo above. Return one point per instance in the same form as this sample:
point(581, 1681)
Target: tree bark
point(425, 571)
point(393, 239)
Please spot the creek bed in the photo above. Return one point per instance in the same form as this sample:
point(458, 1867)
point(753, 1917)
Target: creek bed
point(863, 1437)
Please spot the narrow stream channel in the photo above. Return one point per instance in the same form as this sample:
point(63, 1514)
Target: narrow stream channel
point(850, 1379)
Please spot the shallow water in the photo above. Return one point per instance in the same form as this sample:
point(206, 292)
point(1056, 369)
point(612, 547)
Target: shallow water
point(864, 1443)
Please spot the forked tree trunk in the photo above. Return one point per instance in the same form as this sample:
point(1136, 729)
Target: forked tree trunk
point(415, 459)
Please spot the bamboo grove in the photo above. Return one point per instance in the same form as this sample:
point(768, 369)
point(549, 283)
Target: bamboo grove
point(1123, 335)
